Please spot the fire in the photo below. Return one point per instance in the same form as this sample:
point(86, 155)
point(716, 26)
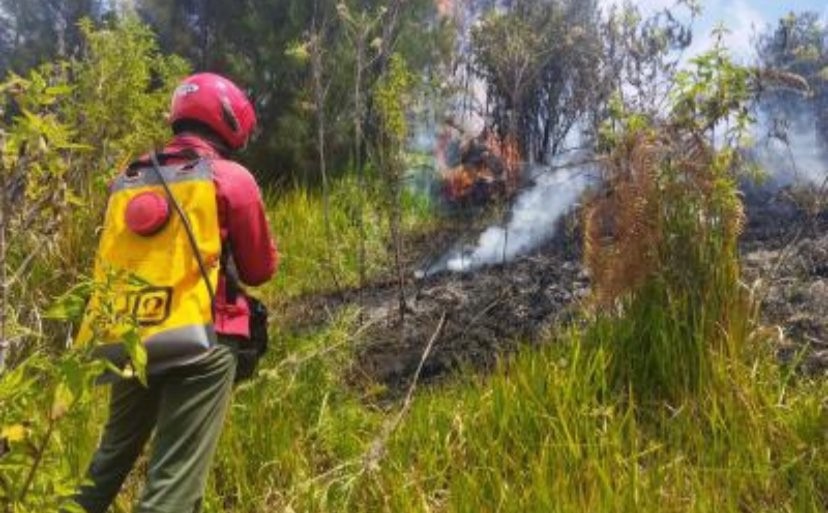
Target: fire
point(458, 10)
point(445, 8)
point(479, 169)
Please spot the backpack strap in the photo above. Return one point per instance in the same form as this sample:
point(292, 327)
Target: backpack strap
point(156, 166)
point(232, 283)
point(161, 159)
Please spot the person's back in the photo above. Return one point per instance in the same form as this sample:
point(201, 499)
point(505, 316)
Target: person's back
point(218, 240)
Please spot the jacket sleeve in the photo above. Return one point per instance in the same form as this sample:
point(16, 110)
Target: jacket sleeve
point(254, 250)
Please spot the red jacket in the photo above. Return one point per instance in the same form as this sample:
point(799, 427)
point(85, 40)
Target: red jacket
point(243, 224)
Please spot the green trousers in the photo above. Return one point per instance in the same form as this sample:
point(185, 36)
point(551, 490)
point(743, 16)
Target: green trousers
point(185, 407)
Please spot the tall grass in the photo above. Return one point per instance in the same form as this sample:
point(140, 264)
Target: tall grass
point(548, 431)
point(671, 402)
point(315, 259)
point(555, 429)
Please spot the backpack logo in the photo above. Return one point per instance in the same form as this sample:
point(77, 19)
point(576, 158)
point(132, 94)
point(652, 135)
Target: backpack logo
point(149, 306)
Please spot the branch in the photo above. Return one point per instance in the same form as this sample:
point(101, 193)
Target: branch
point(378, 446)
point(41, 452)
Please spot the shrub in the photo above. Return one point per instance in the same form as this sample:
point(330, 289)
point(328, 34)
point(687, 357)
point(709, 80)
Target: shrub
point(661, 237)
point(66, 128)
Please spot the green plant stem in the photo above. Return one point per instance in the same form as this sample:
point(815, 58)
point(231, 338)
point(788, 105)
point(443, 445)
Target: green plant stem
point(360, 167)
point(4, 286)
point(41, 452)
point(319, 96)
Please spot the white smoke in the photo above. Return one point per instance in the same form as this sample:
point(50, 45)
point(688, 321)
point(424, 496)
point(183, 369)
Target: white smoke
point(796, 156)
point(532, 222)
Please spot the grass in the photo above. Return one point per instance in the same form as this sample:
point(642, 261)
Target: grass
point(315, 258)
point(548, 431)
point(560, 428)
point(671, 401)
point(563, 428)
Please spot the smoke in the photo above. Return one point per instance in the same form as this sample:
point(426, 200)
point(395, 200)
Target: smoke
point(791, 151)
point(532, 220)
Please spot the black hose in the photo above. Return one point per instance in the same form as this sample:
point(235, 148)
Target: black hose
point(187, 228)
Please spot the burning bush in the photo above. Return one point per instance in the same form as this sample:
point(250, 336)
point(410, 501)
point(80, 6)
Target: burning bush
point(476, 171)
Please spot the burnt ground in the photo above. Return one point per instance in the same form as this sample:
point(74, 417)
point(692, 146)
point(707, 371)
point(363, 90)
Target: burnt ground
point(785, 253)
point(488, 313)
point(491, 312)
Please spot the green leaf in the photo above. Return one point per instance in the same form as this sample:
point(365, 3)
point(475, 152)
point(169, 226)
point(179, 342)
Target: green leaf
point(299, 52)
point(59, 90)
point(62, 401)
point(137, 354)
point(70, 306)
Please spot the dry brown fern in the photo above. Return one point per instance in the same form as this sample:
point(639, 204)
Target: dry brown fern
point(650, 178)
point(621, 225)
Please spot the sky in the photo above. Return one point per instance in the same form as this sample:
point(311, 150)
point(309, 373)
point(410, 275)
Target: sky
point(743, 18)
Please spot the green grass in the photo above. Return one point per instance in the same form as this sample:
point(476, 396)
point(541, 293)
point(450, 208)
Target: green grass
point(674, 403)
point(315, 258)
point(585, 423)
point(548, 431)
point(560, 428)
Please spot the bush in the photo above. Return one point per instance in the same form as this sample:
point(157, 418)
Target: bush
point(66, 128)
point(661, 238)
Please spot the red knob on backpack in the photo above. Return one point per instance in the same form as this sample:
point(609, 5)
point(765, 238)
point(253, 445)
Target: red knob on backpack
point(147, 213)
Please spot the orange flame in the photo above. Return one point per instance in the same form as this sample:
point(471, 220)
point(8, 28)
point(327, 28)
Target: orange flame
point(489, 168)
point(445, 8)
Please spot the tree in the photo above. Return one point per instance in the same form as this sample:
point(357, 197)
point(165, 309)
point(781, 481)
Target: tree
point(248, 41)
point(391, 98)
point(34, 31)
point(640, 55)
point(538, 57)
point(539, 61)
point(553, 66)
point(798, 45)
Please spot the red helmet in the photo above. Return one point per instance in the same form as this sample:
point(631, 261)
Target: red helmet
point(218, 103)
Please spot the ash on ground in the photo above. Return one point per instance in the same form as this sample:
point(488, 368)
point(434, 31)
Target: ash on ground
point(495, 310)
point(488, 314)
point(785, 254)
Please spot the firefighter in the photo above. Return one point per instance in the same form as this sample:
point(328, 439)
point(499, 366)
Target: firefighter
point(182, 221)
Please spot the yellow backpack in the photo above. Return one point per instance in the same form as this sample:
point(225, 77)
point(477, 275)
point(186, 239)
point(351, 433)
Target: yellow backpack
point(149, 279)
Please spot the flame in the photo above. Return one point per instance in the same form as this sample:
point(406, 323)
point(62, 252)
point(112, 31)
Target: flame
point(445, 8)
point(456, 9)
point(507, 151)
point(480, 169)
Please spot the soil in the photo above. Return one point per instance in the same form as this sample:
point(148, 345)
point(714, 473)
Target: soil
point(488, 314)
point(491, 312)
point(785, 255)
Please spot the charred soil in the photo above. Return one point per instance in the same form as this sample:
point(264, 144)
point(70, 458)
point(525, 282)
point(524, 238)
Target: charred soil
point(785, 256)
point(491, 312)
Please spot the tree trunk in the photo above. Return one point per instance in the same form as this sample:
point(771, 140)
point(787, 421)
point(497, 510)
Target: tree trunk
point(4, 223)
point(319, 97)
point(360, 168)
